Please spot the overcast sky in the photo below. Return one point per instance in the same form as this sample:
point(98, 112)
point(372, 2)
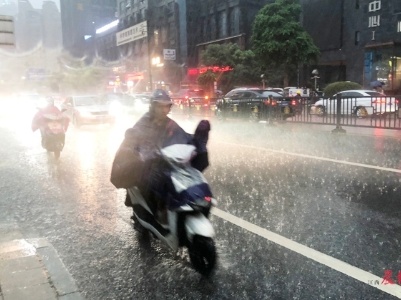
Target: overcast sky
point(38, 3)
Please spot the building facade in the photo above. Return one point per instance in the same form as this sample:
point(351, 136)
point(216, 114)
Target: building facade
point(359, 40)
point(37, 35)
point(222, 22)
point(51, 25)
point(79, 19)
point(178, 30)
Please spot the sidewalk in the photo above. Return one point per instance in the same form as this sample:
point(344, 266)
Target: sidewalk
point(31, 269)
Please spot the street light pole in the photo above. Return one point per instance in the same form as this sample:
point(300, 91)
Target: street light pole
point(263, 80)
point(315, 74)
point(149, 58)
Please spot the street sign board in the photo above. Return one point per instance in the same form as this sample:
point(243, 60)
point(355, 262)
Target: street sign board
point(169, 54)
point(6, 31)
point(132, 33)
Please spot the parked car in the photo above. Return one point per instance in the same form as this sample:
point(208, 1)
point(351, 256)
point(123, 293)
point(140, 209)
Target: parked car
point(283, 108)
point(250, 93)
point(88, 109)
point(277, 90)
point(361, 103)
point(241, 90)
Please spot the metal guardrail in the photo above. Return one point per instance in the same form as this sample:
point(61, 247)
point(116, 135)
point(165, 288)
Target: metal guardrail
point(372, 112)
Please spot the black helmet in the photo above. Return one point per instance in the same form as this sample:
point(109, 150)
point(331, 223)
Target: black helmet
point(160, 96)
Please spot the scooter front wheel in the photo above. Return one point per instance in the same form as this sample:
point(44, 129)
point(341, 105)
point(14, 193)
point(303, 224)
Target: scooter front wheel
point(202, 253)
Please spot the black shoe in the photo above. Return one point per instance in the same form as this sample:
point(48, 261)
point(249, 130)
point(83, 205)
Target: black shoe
point(137, 226)
point(127, 201)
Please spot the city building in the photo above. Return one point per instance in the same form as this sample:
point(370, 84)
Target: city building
point(37, 42)
point(51, 25)
point(34, 27)
point(177, 31)
point(80, 19)
point(147, 30)
point(359, 40)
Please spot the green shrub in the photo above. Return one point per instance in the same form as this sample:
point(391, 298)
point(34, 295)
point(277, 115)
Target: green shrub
point(335, 87)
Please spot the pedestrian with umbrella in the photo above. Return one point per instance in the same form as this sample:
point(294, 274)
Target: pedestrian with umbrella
point(377, 85)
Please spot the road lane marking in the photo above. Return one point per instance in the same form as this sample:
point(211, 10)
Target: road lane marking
point(318, 158)
point(331, 262)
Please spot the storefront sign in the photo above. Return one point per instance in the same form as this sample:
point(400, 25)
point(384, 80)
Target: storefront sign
point(374, 6)
point(374, 21)
point(131, 34)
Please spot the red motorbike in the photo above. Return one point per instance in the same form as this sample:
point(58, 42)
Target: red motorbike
point(53, 126)
point(53, 133)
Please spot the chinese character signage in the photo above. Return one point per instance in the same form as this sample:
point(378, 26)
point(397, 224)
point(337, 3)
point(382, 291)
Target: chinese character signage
point(131, 34)
point(374, 7)
point(169, 54)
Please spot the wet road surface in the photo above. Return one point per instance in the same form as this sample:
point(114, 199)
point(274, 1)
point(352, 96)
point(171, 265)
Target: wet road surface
point(332, 199)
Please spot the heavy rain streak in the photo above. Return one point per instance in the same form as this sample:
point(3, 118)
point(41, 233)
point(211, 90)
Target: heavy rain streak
point(301, 212)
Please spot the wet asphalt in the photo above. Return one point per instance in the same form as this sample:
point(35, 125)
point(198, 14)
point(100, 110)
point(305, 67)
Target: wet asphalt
point(337, 194)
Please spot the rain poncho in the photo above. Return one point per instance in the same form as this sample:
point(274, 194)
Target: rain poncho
point(46, 113)
point(136, 160)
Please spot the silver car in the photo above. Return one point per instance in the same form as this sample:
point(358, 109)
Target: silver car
point(88, 109)
point(361, 103)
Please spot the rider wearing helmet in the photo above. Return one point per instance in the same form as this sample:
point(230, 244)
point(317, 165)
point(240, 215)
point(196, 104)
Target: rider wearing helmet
point(136, 162)
point(49, 111)
point(160, 106)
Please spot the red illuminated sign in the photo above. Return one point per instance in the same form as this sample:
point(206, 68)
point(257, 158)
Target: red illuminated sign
point(214, 69)
point(134, 76)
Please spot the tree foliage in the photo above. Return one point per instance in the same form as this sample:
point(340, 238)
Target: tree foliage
point(246, 70)
point(279, 40)
point(77, 76)
point(206, 81)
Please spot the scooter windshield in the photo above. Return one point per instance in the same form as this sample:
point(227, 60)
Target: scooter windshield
point(189, 185)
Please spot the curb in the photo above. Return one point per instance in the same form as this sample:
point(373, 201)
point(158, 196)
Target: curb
point(32, 269)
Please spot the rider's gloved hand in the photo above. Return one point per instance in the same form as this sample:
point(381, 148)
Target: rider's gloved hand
point(201, 135)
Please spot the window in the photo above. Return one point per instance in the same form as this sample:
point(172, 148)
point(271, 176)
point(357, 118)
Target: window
point(399, 26)
point(248, 95)
point(357, 37)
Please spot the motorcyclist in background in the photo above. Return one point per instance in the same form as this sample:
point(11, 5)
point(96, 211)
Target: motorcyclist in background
point(137, 161)
point(49, 111)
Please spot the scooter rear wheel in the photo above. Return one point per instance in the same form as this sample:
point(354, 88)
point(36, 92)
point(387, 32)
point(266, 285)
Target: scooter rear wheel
point(202, 253)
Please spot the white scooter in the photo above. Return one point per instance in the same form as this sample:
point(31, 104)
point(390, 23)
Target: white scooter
point(189, 201)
